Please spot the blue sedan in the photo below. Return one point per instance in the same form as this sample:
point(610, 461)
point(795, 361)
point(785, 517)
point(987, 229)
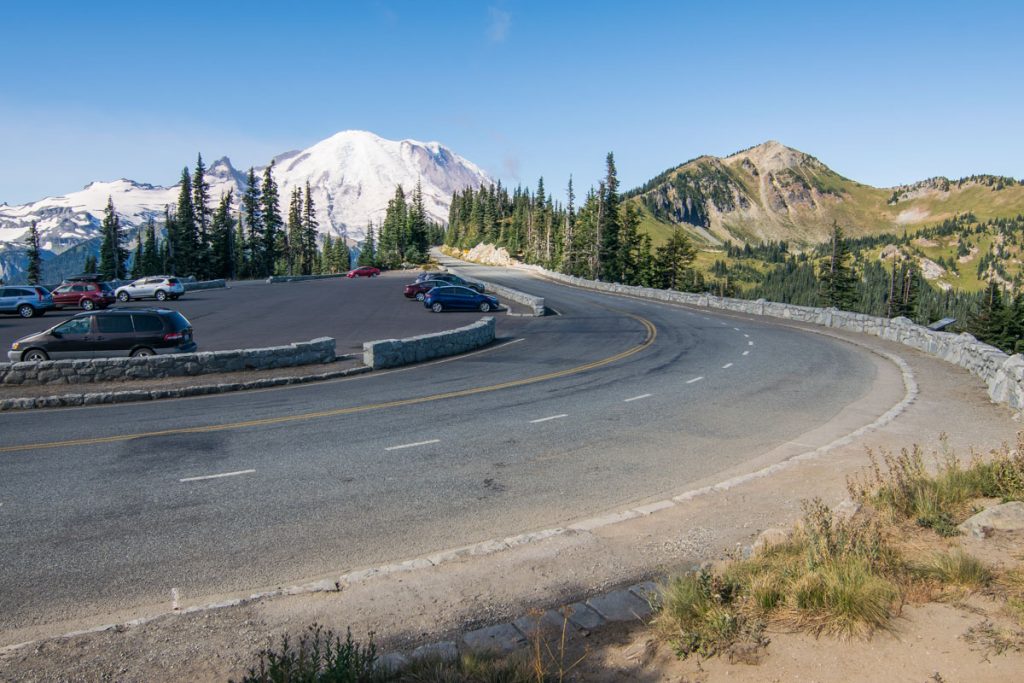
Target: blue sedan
point(458, 298)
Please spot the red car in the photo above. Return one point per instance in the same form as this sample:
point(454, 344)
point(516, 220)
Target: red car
point(84, 295)
point(363, 271)
point(418, 290)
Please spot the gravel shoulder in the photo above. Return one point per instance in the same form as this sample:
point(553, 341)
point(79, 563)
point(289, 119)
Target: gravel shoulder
point(439, 602)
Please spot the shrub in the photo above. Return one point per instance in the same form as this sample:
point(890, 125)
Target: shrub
point(321, 657)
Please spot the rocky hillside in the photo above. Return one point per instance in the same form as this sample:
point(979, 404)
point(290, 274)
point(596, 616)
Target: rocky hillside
point(774, 192)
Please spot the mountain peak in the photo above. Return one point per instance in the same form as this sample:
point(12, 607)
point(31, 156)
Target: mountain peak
point(772, 156)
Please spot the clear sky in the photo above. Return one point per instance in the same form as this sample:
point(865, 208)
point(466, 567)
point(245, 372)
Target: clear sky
point(884, 93)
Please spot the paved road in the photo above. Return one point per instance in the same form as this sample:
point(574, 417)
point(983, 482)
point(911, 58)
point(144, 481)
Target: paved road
point(372, 469)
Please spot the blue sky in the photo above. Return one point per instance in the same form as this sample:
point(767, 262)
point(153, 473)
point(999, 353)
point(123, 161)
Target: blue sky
point(882, 94)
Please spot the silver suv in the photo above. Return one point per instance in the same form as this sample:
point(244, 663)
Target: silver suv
point(28, 301)
point(159, 287)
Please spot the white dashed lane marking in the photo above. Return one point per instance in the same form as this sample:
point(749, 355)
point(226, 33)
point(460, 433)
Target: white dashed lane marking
point(636, 398)
point(552, 417)
point(695, 379)
point(746, 353)
point(216, 476)
point(412, 445)
point(727, 366)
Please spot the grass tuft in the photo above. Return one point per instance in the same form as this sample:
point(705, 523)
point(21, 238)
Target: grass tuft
point(956, 569)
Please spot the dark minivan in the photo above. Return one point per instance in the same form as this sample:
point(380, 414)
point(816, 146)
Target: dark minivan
point(101, 334)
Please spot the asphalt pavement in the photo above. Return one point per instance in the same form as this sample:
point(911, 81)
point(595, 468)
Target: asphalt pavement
point(610, 402)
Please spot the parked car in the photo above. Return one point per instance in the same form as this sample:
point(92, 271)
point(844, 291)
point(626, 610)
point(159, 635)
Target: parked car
point(117, 332)
point(453, 279)
point(27, 301)
point(452, 297)
point(418, 290)
point(159, 287)
point(363, 271)
point(84, 295)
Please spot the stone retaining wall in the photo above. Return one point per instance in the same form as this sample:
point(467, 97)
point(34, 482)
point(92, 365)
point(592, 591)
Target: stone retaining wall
point(389, 353)
point(1003, 374)
point(89, 370)
point(204, 284)
point(301, 278)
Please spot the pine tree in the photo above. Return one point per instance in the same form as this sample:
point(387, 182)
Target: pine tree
point(90, 264)
point(170, 245)
point(673, 262)
point(241, 267)
point(112, 252)
point(222, 233)
point(252, 203)
point(368, 254)
point(630, 256)
point(296, 236)
point(186, 251)
point(201, 218)
point(310, 233)
point(150, 256)
point(137, 258)
point(272, 223)
point(836, 281)
point(609, 256)
point(35, 259)
point(342, 257)
point(393, 237)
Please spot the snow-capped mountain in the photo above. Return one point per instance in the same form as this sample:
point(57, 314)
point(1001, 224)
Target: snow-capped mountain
point(352, 175)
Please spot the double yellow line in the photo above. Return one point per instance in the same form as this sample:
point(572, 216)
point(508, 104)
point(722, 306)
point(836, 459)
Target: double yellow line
point(652, 333)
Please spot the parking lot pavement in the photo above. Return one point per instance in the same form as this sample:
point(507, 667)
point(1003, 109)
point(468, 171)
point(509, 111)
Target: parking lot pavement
point(255, 314)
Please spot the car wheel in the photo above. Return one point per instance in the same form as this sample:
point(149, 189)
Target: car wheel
point(123, 297)
point(88, 305)
point(420, 297)
point(26, 311)
point(161, 295)
point(34, 356)
point(437, 307)
point(142, 351)
point(484, 306)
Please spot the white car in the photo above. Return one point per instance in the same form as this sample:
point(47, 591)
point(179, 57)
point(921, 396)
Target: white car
point(159, 287)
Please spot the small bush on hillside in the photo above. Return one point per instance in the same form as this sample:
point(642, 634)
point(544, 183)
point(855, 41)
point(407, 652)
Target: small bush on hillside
point(320, 656)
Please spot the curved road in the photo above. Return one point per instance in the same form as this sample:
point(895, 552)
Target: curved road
point(610, 402)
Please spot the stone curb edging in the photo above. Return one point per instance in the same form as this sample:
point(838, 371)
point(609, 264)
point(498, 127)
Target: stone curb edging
point(130, 395)
point(91, 370)
point(586, 612)
point(274, 279)
point(390, 353)
point(204, 284)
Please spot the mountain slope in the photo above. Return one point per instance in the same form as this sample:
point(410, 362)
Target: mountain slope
point(352, 176)
point(774, 192)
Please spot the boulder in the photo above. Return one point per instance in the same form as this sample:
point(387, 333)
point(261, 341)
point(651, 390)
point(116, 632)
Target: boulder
point(1005, 517)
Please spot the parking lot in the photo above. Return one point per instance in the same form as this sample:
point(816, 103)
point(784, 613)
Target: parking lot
point(254, 314)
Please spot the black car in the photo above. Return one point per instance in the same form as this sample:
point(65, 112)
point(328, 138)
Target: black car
point(100, 334)
point(452, 279)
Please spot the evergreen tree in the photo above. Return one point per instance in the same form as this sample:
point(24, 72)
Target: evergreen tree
point(186, 251)
point(610, 265)
point(170, 245)
point(137, 258)
point(272, 223)
point(342, 257)
point(296, 236)
point(416, 219)
point(310, 233)
point(238, 247)
point(837, 283)
point(368, 254)
point(673, 262)
point(630, 256)
point(252, 203)
point(991, 323)
point(35, 258)
point(113, 255)
point(393, 237)
point(150, 256)
point(90, 264)
point(222, 237)
point(201, 218)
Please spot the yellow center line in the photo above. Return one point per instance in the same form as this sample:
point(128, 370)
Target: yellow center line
point(652, 333)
